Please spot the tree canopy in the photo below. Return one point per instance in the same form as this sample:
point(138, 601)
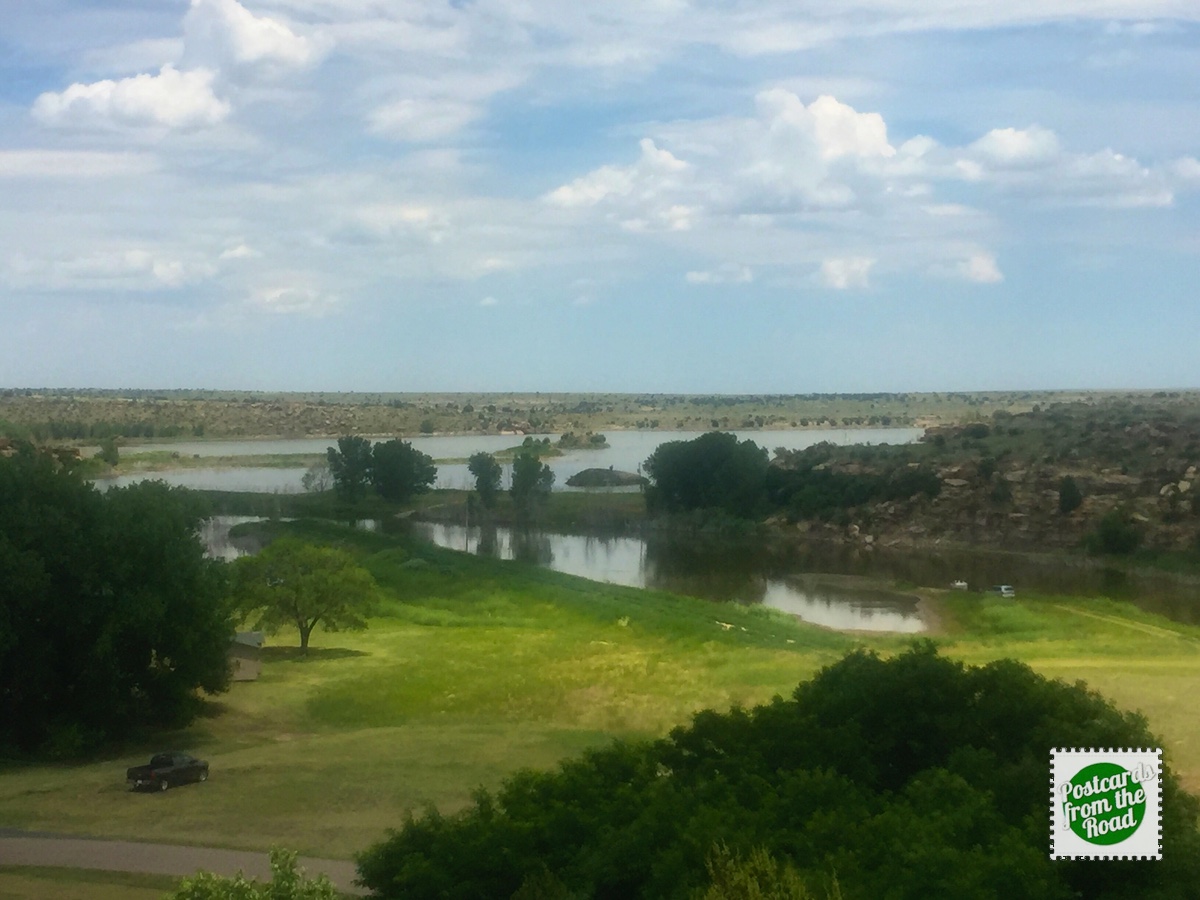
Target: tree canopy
point(532, 479)
point(908, 778)
point(399, 471)
point(395, 469)
point(713, 471)
point(111, 617)
point(487, 477)
point(301, 585)
point(350, 466)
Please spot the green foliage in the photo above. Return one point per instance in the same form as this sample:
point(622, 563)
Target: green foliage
point(487, 477)
point(350, 466)
point(110, 615)
point(714, 471)
point(427, 426)
point(318, 478)
point(531, 480)
point(297, 584)
point(1069, 496)
point(1116, 535)
point(754, 877)
point(287, 883)
point(108, 451)
point(910, 778)
point(399, 471)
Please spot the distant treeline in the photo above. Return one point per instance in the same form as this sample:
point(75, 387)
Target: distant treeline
point(95, 431)
point(716, 472)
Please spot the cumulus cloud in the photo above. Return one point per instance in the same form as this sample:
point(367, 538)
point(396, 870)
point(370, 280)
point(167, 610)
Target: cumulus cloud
point(170, 99)
point(1018, 146)
point(654, 173)
point(847, 272)
point(217, 32)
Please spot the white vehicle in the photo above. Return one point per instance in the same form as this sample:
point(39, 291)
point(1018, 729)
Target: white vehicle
point(1007, 591)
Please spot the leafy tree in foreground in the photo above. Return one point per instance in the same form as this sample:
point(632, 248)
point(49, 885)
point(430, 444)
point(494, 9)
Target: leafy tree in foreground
point(399, 471)
point(111, 617)
point(909, 778)
point(287, 883)
point(293, 583)
point(487, 477)
point(350, 466)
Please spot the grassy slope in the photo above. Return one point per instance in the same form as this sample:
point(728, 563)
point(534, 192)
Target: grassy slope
point(32, 883)
point(477, 667)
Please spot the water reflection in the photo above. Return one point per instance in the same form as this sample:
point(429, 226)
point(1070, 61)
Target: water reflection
point(730, 573)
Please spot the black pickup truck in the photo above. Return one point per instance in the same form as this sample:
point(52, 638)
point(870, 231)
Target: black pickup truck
point(166, 769)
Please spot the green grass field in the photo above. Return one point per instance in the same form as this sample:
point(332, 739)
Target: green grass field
point(476, 668)
point(32, 883)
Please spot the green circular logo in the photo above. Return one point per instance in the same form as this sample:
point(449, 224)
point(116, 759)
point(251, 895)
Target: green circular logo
point(1103, 804)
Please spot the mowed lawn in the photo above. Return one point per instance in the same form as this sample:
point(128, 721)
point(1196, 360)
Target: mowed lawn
point(475, 668)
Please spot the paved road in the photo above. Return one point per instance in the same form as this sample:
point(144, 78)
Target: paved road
point(19, 848)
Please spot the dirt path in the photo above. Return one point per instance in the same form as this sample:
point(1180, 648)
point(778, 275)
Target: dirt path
point(29, 849)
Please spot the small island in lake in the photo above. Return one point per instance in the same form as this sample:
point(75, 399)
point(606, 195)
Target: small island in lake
point(604, 478)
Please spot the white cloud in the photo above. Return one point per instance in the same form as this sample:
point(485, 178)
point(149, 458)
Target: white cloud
point(72, 164)
point(728, 273)
point(980, 268)
point(241, 251)
point(1018, 147)
point(847, 272)
point(488, 301)
point(107, 269)
point(294, 300)
point(224, 31)
point(171, 99)
point(419, 120)
point(655, 172)
point(1187, 169)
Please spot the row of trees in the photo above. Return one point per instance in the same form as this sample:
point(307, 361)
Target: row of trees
point(532, 479)
point(395, 469)
point(717, 472)
point(908, 778)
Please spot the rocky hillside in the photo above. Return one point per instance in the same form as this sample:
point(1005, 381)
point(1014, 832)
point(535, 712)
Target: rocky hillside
point(1129, 473)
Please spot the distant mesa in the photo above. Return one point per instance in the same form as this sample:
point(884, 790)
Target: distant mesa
point(604, 478)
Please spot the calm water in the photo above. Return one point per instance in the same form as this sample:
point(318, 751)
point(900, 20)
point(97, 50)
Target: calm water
point(626, 453)
point(649, 564)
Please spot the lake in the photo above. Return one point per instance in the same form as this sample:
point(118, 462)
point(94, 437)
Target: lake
point(626, 452)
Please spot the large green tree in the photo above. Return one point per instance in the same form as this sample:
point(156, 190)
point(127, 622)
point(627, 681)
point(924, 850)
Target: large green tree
point(713, 471)
point(908, 778)
point(111, 616)
point(300, 585)
point(487, 477)
point(350, 466)
point(532, 480)
point(399, 471)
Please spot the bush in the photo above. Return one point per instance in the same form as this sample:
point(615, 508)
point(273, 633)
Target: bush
point(1115, 535)
point(1069, 495)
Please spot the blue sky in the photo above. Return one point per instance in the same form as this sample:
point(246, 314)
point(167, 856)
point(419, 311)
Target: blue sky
point(634, 195)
